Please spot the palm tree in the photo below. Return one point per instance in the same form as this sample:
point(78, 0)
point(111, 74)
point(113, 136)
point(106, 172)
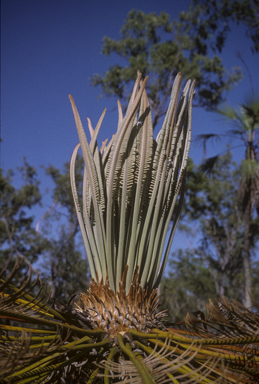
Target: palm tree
point(132, 187)
point(246, 127)
point(247, 121)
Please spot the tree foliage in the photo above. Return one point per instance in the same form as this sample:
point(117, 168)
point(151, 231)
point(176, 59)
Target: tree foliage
point(52, 245)
point(18, 236)
point(214, 265)
point(65, 265)
point(161, 48)
point(188, 285)
point(215, 18)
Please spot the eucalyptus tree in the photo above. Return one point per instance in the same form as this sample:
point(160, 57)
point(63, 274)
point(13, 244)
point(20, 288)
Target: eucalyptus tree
point(161, 47)
point(191, 43)
point(217, 17)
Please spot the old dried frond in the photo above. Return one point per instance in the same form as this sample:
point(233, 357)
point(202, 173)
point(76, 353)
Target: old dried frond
point(35, 338)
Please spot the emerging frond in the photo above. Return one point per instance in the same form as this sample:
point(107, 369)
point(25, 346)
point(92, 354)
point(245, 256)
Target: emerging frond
point(134, 188)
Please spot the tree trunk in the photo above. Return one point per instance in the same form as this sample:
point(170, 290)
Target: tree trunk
point(247, 270)
point(54, 275)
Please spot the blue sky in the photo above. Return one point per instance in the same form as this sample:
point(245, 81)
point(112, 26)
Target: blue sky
point(50, 49)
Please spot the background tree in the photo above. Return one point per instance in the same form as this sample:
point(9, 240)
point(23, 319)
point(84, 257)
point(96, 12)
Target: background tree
point(18, 236)
point(54, 238)
point(66, 268)
point(214, 216)
point(215, 18)
point(245, 120)
point(187, 286)
point(160, 48)
point(192, 44)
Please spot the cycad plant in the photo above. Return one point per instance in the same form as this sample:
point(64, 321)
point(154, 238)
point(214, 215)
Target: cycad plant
point(133, 189)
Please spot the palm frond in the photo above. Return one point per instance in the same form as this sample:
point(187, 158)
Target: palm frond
point(208, 164)
point(204, 137)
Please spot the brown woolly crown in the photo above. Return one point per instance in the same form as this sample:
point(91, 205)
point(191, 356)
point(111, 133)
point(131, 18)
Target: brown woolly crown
point(118, 312)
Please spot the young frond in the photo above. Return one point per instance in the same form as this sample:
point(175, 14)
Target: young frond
point(132, 188)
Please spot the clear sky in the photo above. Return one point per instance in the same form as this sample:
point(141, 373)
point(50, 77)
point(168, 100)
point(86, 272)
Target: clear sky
point(50, 49)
